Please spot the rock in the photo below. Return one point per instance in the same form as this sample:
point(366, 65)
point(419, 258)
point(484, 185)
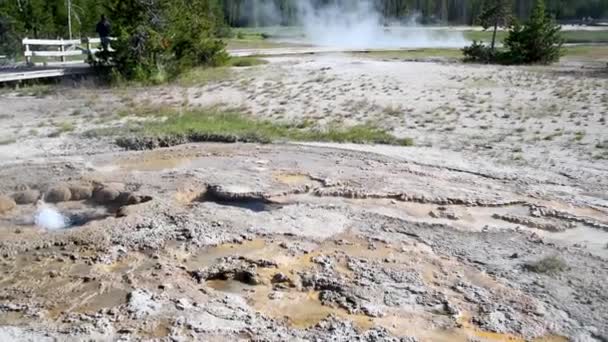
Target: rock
point(451, 309)
point(372, 310)
point(182, 304)
point(275, 295)
point(124, 211)
point(452, 216)
point(279, 278)
point(141, 303)
point(58, 193)
point(443, 212)
point(6, 204)
point(248, 277)
point(81, 192)
point(22, 187)
point(129, 198)
point(165, 287)
point(105, 195)
point(26, 196)
point(132, 199)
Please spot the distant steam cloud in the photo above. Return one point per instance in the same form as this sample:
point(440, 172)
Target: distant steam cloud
point(358, 24)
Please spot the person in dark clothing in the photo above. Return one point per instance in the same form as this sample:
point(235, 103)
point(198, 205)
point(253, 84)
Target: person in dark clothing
point(104, 30)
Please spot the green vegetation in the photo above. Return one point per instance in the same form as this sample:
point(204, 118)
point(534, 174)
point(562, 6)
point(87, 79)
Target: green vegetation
point(217, 125)
point(539, 40)
point(201, 76)
point(246, 61)
point(586, 52)
point(411, 54)
point(36, 90)
point(236, 44)
point(246, 13)
point(159, 40)
point(582, 52)
point(570, 37)
point(7, 141)
point(65, 127)
point(494, 14)
point(547, 265)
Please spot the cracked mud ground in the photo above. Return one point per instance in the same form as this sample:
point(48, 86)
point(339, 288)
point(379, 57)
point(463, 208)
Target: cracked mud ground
point(301, 242)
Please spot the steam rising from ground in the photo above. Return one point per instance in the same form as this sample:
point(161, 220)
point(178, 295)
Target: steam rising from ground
point(50, 218)
point(359, 25)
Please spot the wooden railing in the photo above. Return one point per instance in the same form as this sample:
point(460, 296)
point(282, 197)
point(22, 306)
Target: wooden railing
point(60, 51)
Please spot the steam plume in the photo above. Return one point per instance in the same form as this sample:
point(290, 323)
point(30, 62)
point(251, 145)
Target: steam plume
point(358, 24)
point(50, 218)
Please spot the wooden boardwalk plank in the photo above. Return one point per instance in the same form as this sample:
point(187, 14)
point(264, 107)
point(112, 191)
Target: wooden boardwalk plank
point(15, 75)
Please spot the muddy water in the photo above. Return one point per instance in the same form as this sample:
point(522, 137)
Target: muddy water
point(191, 157)
point(292, 178)
point(60, 283)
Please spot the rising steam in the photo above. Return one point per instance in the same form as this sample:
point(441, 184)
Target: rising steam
point(50, 218)
point(359, 24)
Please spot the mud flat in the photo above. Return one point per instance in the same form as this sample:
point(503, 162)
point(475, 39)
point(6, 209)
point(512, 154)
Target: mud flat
point(276, 242)
point(466, 236)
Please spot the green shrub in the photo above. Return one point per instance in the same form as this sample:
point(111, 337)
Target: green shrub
point(538, 41)
point(157, 40)
point(479, 53)
point(548, 265)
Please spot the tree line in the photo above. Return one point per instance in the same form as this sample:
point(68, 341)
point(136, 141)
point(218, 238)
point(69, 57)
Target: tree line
point(454, 12)
point(49, 18)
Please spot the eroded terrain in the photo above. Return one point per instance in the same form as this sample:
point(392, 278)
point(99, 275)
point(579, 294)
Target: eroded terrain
point(486, 230)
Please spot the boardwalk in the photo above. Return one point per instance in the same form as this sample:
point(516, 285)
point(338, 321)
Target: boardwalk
point(23, 72)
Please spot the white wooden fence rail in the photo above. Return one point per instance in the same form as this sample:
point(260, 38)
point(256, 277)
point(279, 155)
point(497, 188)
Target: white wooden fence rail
point(60, 49)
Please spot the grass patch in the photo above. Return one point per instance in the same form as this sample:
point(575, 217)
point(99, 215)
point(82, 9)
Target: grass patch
point(547, 265)
point(586, 52)
point(202, 76)
point(411, 54)
point(246, 61)
point(392, 110)
point(550, 137)
point(232, 126)
point(601, 156)
point(36, 90)
point(570, 37)
point(7, 141)
point(255, 43)
point(65, 127)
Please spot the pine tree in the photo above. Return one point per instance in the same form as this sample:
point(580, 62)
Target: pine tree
point(494, 14)
point(538, 41)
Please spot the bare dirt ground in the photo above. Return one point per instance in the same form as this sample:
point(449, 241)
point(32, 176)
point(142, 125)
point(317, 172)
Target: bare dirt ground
point(493, 227)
